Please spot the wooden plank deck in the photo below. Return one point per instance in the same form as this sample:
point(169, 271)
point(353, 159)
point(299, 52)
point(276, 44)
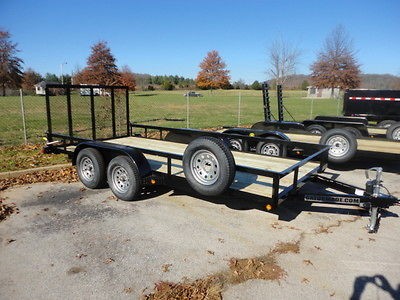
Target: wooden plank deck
point(364, 144)
point(245, 182)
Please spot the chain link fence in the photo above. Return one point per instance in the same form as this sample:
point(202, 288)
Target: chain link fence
point(23, 117)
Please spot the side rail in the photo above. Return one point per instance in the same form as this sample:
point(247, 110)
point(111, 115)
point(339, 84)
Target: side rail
point(319, 153)
point(80, 112)
point(184, 135)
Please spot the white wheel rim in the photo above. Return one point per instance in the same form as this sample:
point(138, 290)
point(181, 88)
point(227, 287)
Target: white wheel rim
point(339, 145)
point(270, 149)
point(236, 144)
point(205, 167)
point(86, 169)
point(316, 131)
point(120, 179)
point(396, 134)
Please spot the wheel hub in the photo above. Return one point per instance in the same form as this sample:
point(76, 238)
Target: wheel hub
point(120, 179)
point(237, 145)
point(270, 149)
point(339, 145)
point(205, 167)
point(87, 169)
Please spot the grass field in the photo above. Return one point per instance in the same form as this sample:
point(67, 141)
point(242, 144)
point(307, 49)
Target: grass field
point(217, 108)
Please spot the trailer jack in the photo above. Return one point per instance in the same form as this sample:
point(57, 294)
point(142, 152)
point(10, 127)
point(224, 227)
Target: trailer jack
point(369, 198)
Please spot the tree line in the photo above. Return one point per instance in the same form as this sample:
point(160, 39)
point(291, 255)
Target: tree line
point(336, 65)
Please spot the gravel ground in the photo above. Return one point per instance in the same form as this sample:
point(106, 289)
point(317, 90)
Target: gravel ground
point(69, 242)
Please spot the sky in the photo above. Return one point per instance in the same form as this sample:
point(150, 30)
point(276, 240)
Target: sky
point(172, 37)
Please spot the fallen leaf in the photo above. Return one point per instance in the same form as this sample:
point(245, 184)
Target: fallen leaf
point(305, 280)
point(109, 260)
point(166, 267)
point(308, 262)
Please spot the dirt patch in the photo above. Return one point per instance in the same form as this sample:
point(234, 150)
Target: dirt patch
point(327, 228)
point(75, 270)
point(62, 175)
point(240, 270)
point(263, 267)
point(6, 209)
point(210, 288)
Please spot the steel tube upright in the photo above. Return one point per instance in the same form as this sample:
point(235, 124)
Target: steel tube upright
point(267, 108)
point(280, 102)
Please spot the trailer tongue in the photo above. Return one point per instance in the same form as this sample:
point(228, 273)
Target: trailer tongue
point(132, 156)
point(370, 198)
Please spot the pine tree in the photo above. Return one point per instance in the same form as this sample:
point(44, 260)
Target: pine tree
point(213, 74)
point(10, 64)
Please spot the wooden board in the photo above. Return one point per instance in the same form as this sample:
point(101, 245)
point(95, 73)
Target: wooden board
point(364, 144)
point(245, 182)
point(377, 131)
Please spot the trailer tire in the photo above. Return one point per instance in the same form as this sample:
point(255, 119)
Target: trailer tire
point(343, 145)
point(123, 178)
point(386, 123)
point(357, 133)
point(393, 132)
point(316, 129)
point(209, 166)
point(91, 168)
point(271, 148)
point(238, 145)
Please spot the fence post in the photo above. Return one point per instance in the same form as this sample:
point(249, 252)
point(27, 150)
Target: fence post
point(337, 108)
point(187, 110)
point(23, 115)
point(239, 107)
point(311, 110)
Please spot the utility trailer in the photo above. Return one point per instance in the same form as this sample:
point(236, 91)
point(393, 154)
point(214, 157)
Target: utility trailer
point(344, 135)
point(354, 122)
point(381, 106)
point(132, 156)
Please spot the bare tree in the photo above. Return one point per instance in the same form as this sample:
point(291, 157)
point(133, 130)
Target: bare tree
point(336, 65)
point(283, 59)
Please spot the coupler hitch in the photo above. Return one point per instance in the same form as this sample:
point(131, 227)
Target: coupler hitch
point(370, 198)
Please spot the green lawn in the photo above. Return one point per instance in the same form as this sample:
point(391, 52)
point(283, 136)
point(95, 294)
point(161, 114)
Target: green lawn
point(217, 108)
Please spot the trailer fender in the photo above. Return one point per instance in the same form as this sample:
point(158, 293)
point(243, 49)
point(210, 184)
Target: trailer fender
point(275, 134)
point(258, 133)
point(109, 151)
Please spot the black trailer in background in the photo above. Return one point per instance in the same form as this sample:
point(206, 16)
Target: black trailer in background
point(345, 134)
point(109, 150)
point(374, 105)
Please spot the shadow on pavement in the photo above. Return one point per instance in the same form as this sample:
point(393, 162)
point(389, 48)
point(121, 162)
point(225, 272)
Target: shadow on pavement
point(389, 163)
point(379, 281)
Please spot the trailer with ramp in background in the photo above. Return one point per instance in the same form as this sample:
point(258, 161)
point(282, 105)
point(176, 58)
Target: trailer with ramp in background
point(128, 157)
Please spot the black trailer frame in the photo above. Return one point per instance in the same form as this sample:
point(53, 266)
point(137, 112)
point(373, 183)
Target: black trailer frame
point(323, 129)
point(386, 109)
point(109, 147)
point(329, 122)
